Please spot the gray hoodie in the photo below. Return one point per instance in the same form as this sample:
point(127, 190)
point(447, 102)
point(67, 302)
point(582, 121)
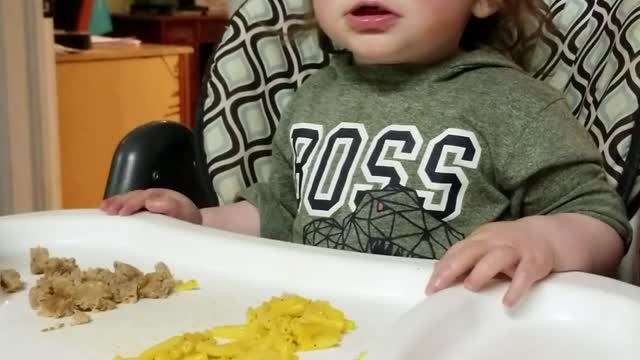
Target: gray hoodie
point(406, 160)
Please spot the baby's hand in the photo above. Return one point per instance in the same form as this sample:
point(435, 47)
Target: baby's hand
point(515, 248)
point(160, 201)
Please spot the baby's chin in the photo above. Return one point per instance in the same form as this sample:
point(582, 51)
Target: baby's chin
point(378, 56)
point(380, 52)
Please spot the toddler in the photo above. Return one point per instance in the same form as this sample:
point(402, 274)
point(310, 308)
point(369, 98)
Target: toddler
point(427, 138)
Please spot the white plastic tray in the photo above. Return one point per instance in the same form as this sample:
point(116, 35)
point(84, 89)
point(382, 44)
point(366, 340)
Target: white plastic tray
point(573, 316)
point(234, 272)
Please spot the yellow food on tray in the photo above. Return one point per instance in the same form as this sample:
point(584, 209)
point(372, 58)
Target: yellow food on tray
point(186, 286)
point(275, 330)
point(361, 356)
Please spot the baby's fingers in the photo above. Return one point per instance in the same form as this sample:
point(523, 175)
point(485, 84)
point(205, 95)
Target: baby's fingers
point(495, 262)
point(113, 205)
point(526, 274)
point(107, 204)
point(454, 264)
point(163, 205)
point(132, 203)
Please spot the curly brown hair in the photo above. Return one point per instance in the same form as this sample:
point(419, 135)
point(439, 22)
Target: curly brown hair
point(514, 30)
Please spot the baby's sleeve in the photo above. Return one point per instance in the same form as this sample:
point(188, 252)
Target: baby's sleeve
point(275, 199)
point(554, 167)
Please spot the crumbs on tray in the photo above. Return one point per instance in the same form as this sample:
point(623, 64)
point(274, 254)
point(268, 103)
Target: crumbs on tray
point(10, 281)
point(80, 318)
point(51, 328)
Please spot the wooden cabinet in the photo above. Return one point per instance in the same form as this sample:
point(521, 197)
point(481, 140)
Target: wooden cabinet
point(102, 95)
point(202, 33)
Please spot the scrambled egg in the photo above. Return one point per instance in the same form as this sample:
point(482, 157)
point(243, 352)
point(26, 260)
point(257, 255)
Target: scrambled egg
point(275, 330)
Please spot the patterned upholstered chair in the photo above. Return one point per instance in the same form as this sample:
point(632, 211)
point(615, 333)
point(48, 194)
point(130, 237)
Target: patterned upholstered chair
point(592, 56)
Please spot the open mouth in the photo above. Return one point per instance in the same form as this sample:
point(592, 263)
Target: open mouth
point(371, 17)
point(368, 10)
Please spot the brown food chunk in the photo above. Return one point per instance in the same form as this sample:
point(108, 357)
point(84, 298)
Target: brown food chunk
point(126, 291)
point(93, 296)
point(56, 306)
point(126, 271)
point(53, 297)
point(98, 274)
point(127, 282)
point(10, 281)
point(60, 266)
point(80, 318)
point(66, 290)
point(158, 284)
point(39, 257)
point(36, 293)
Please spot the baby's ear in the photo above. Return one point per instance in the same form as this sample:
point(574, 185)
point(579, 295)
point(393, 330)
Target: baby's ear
point(485, 8)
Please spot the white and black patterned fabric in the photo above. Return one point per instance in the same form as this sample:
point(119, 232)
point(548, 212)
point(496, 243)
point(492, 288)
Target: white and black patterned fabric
point(253, 74)
point(593, 58)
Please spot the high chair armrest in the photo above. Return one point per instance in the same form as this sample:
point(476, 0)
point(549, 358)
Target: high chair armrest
point(160, 154)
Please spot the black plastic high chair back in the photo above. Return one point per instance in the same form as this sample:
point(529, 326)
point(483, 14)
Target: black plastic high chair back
point(591, 55)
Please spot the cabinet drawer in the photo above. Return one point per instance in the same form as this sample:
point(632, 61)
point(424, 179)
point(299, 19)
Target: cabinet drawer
point(180, 33)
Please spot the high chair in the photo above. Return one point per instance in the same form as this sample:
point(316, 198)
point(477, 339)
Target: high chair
point(591, 55)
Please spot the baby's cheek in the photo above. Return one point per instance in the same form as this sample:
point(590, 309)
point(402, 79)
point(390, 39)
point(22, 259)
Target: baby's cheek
point(321, 8)
point(328, 15)
point(444, 7)
point(444, 20)
point(322, 13)
point(445, 11)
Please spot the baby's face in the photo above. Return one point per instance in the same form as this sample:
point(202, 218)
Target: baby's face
point(395, 31)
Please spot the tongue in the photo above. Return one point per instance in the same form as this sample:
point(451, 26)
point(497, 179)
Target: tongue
point(370, 10)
